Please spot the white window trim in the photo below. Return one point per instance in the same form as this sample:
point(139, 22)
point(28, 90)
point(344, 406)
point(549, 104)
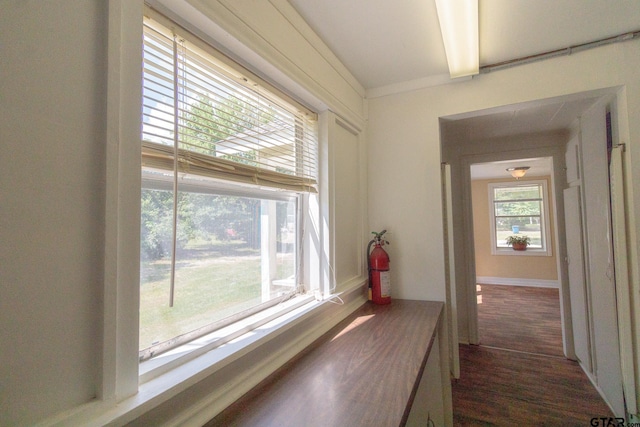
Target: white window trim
point(546, 226)
point(173, 358)
point(221, 341)
point(160, 363)
point(120, 397)
point(162, 388)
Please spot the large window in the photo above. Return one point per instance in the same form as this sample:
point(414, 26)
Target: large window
point(519, 209)
point(227, 161)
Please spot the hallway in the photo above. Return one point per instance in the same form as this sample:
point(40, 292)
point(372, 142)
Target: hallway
point(506, 388)
point(518, 376)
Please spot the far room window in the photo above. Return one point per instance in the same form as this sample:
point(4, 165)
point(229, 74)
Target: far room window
point(520, 209)
point(227, 162)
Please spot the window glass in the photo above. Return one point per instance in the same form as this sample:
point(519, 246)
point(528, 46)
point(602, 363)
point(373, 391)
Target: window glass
point(226, 262)
point(519, 210)
point(225, 166)
point(518, 193)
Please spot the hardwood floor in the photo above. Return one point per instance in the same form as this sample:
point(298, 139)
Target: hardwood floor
point(513, 385)
point(508, 388)
point(520, 318)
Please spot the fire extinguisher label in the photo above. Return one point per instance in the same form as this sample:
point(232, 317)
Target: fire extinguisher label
point(385, 284)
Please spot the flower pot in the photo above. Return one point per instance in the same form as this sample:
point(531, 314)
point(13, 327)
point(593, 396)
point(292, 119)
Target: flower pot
point(519, 247)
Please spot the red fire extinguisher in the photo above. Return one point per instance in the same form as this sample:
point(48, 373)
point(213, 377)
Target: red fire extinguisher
point(379, 275)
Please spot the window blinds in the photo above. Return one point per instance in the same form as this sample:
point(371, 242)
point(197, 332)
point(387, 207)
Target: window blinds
point(203, 117)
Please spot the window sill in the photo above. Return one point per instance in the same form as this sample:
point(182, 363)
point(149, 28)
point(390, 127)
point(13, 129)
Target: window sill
point(528, 252)
point(227, 337)
point(162, 387)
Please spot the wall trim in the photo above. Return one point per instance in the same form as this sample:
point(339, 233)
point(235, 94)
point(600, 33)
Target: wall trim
point(535, 283)
point(412, 85)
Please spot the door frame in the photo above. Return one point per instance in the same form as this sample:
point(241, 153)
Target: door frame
point(556, 153)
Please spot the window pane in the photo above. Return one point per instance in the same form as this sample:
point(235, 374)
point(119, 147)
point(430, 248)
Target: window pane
point(518, 208)
point(232, 253)
point(523, 225)
point(219, 114)
point(518, 193)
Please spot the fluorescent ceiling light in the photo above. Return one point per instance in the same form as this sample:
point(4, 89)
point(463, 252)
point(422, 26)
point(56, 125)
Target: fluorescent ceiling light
point(459, 27)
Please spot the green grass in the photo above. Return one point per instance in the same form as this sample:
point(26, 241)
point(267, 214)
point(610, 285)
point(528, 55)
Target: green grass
point(212, 282)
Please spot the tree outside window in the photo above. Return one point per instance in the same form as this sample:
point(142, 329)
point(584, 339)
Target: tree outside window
point(225, 167)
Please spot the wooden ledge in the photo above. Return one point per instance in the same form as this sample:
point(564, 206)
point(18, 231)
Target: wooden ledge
point(365, 371)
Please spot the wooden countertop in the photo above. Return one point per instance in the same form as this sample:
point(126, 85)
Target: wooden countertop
point(363, 372)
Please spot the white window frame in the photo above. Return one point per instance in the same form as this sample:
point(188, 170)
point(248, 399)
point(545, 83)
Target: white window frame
point(308, 280)
point(123, 394)
point(165, 182)
point(545, 224)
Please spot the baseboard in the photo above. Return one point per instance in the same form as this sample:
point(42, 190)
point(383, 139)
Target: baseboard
point(594, 383)
point(536, 283)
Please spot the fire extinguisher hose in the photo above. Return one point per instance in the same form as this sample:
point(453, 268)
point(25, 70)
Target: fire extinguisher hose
point(377, 238)
point(369, 261)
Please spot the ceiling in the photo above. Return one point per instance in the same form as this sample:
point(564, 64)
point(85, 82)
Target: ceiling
point(533, 117)
point(385, 42)
point(544, 116)
point(541, 166)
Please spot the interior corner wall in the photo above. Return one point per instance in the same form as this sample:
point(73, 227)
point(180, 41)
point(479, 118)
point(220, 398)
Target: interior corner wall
point(405, 153)
point(529, 267)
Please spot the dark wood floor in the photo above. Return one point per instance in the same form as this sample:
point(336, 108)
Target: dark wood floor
point(513, 385)
point(507, 388)
point(520, 318)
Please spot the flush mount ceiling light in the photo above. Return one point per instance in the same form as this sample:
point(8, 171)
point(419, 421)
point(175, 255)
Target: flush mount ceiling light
point(518, 172)
point(459, 27)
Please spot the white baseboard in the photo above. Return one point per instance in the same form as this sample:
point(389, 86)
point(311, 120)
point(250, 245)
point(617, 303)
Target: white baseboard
point(595, 385)
point(536, 283)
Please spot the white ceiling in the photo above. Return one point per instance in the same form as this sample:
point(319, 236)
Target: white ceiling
point(385, 42)
point(541, 166)
point(532, 117)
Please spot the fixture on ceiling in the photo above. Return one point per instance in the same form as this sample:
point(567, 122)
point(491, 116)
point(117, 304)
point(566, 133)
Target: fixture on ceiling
point(518, 172)
point(459, 27)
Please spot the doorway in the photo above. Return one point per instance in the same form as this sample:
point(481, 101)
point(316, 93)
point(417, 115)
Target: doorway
point(523, 132)
point(517, 292)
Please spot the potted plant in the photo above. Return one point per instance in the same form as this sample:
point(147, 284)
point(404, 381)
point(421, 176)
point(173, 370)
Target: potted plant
point(518, 243)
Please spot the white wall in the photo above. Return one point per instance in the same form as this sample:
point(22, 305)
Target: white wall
point(404, 152)
point(404, 192)
point(52, 172)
